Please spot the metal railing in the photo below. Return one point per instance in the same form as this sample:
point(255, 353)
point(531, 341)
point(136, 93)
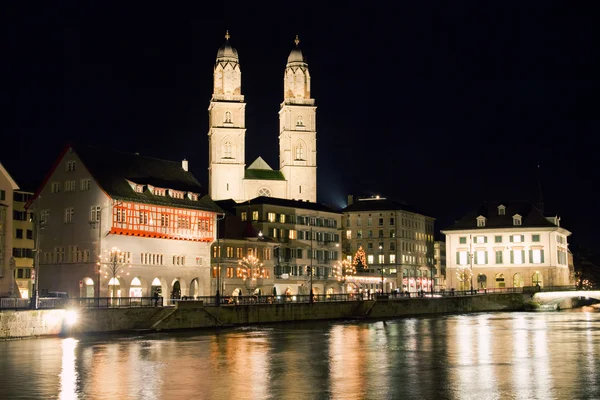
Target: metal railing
point(147, 302)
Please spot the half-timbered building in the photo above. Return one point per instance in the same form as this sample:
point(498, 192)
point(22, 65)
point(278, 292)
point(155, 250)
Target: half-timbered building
point(124, 225)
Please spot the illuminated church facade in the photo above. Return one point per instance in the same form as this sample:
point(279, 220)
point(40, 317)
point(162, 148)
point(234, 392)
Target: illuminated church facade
point(229, 178)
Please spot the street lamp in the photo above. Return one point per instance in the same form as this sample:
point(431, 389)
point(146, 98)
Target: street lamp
point(37, 226)
point(381, 262)
point(218, 293)
point(471, 256)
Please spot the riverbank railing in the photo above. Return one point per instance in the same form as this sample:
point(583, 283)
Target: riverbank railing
point(210, 301)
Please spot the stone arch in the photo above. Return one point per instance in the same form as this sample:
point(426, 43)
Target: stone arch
point(194, 288)
point(138, 287)
point(500, 281)
point(537, 279)
point(237, 292)
point(481, 281)
point(159, 283)
point(87, 287)
point(116, 287)
point(518, 280)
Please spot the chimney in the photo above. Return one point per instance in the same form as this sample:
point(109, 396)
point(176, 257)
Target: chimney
point(350, 199)
point(184, 164)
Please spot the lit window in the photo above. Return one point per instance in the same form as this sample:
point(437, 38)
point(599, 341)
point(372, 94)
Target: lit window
point(537, 256)
point(299, 152)
point(370, 259)
point(481, 256)
point(254, 215)
point(95, 214)
point(517, 238)
point(392, 258)
point(282, 218)
point(85, 185)
point(462, 258)
point(227, 150)
point(271, 217)
point(518, 257)
point(69, 214)
point(480, 239)
point(381, 259)
point(348, 234)
point(244, 216)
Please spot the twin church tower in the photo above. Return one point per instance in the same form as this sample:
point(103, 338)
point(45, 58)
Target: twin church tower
point(228, 176)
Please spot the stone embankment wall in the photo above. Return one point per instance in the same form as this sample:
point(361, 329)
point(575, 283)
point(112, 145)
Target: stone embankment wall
point(193, 315)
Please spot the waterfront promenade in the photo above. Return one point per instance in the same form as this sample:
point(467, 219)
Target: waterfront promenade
point(104, 315)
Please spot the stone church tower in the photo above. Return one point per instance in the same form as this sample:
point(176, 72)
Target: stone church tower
point(297, 130)
point(227, 127)
point(228, 177)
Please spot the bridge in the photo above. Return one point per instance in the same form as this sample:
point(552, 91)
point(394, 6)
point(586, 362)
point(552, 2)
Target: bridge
point(564, 297)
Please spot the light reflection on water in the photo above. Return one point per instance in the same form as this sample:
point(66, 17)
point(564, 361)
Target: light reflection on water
point(478, 356)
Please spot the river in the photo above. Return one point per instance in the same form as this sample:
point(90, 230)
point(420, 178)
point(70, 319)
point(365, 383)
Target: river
point(521, 355)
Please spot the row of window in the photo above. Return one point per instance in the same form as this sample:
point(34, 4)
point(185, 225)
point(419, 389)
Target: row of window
point(407, 222)
point(292, 219)
point(262, 254)
point(480, 239)
point(22, 253)
point(60, 256)
point(19, 234)
point(480, 257)
point(302, 270)
point(517, 220)
point(70, 186)
point(404, 246)
point(317, 236)
point(241, 273)
point(23, 273)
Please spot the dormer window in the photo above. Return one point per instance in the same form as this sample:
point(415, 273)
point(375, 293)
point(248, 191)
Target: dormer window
point(480, 221)
point(176, 194)
point(501, 210)
point(139, 188)
point(517, 220)
point(193, 196)
point(159, 192)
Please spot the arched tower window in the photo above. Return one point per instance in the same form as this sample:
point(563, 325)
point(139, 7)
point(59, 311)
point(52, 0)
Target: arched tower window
point(299, 152)
point(227, 150)
point(227, 117)
point(299, 121)
point(264, 192)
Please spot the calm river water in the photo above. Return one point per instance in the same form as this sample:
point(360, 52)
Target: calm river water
point(553, 355)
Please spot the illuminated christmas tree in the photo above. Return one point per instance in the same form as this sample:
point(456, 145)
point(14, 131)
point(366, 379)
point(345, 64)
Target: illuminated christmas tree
point(344, 269)
point(251, 267)
point(360, 260)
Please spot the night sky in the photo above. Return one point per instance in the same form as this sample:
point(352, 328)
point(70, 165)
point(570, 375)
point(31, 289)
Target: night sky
point(440, 105)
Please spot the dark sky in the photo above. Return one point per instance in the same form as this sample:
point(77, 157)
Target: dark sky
point(443, 105)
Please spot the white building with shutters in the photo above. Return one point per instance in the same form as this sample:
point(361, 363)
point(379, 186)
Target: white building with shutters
point(505, 245)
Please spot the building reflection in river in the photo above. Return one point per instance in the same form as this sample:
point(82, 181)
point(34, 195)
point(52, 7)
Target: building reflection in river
point(481, 356)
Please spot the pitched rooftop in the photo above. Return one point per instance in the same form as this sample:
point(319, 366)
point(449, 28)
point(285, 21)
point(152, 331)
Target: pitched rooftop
point(495, 218)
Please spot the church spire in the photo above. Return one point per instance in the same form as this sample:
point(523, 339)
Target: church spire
point(297, 41)
point(227, 36)
point(540, 204)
